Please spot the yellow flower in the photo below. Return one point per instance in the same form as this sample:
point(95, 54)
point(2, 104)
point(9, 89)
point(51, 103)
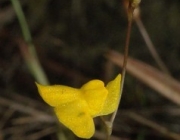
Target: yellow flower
point(76, 108)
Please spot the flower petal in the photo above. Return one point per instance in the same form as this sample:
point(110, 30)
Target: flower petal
point(113, 97)
point(95, 93)
point(75, 116)
point(58, 94)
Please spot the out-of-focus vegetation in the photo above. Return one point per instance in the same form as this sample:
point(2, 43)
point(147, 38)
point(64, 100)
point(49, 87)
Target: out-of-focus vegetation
point(71, 39)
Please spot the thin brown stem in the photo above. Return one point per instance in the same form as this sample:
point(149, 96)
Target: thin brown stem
point(124, 64)
point(126, 50)
point(132, 4)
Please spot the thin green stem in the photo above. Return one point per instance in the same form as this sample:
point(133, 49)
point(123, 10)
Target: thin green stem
point(22, 21)
point(107, 127)
point(32, 59)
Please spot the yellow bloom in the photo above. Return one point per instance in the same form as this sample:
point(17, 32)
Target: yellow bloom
point(76, 108)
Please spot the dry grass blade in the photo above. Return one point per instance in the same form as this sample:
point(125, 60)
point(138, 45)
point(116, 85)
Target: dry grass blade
point(148, 42)
point(26, 109)
point(153, 125)
point(6, 15)
point(165, 85)
point(4, 118)
point(41, 133)
point(102, 136)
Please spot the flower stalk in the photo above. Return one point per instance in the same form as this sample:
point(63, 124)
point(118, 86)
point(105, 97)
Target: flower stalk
point(132, 4)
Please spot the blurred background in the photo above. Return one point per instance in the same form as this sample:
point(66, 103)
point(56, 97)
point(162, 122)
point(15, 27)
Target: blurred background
point(74, 40)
